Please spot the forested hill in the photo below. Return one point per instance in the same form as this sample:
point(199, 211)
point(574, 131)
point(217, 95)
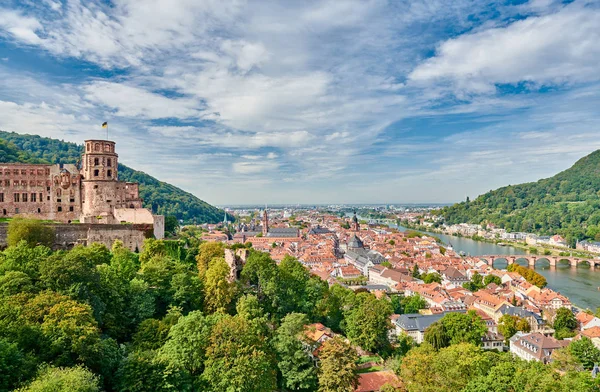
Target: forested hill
point(567, 204)
point(161, 197)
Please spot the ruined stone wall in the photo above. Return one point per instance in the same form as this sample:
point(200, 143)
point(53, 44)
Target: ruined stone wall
point(48, 192)
point(69, 235)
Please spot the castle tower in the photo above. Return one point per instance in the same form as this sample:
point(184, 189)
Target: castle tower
point(100, 191)
point(265, 223)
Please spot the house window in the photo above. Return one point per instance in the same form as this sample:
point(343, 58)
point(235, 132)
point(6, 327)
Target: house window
point(17, 197)
point(24, 197)
point(96, 173)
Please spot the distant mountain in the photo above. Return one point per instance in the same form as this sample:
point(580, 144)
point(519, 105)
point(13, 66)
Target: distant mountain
point(567, 204)
point(162, 198)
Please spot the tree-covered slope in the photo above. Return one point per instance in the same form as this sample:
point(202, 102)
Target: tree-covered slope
point(161, 197)
point(567, 203)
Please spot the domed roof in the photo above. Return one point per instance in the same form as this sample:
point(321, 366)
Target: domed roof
point(355, 243)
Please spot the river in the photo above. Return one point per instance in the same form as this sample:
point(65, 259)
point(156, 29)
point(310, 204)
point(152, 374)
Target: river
point(580, 284)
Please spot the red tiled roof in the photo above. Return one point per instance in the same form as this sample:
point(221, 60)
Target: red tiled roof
point(372, 382)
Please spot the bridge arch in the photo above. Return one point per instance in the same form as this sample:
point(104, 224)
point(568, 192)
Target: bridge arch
point(500, 262)
point(523, 261)
point(542, 262)
point(584, 263)
point(563, 261)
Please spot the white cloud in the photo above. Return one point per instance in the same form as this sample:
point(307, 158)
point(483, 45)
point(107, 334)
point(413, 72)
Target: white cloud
point(551, 49)
point(130, 101)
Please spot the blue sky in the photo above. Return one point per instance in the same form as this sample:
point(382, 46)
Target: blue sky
point(312, 101)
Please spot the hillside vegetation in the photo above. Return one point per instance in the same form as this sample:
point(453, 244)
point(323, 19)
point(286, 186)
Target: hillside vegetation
point(162, 198)
point(567, 203)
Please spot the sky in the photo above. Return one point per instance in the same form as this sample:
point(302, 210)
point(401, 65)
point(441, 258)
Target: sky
point(367, 101)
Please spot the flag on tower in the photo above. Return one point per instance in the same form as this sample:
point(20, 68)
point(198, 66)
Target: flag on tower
point(105, 124)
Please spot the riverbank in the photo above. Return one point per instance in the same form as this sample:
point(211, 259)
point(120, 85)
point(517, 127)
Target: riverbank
point(539, 250)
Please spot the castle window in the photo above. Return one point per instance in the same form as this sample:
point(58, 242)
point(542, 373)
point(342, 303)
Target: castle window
point(71, 200)
point(48, 197)
point(17, 197)
point(6, 182)
point(48, 188)
point(39, 210)
point(31, 172)
point(109, 173)
point(16, 172)
point(109, 162)
point(95, 186)
point(96, 173)
point(59, 200)
point(4, 211)
point(59, 209)
point(24, 197)
point(16, 210)
point(23, 172)
point(96, 161)
point(1, 197)
point(88, 147)
point(33, 197)
point(96, 147)
point(15, 183)
point(71, 208)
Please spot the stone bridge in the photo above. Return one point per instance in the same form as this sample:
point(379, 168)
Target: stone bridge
point(533, 259)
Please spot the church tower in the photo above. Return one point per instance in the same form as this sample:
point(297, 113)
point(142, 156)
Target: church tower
point(355, 224)
point(265, 223)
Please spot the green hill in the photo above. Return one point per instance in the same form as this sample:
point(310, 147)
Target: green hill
point(567, 204)
point(159, 196)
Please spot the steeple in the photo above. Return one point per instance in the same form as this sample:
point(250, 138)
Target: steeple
point(355, 224)
point(225, 221)
point(265, 223)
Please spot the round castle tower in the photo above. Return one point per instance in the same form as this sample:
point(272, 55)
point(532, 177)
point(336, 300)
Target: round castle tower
point(100, 186)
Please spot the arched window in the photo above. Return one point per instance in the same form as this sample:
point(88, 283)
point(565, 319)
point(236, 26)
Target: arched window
point(96, 173)
point(109, 173)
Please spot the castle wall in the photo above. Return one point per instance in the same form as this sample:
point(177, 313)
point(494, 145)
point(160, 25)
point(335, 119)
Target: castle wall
point(69, 235)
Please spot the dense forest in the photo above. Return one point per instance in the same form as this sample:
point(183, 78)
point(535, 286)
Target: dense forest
point(162, 198)
point(169, 319)
point(566, 204)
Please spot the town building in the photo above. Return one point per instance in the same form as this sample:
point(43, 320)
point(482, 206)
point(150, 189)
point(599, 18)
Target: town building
point(535, 346)
point(88, 193)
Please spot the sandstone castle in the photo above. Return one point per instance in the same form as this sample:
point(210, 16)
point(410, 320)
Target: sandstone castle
point(65, 193)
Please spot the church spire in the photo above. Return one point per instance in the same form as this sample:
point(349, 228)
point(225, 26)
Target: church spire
point(265, 223)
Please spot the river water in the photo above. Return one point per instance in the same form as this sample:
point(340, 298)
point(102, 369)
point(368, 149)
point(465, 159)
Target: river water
point(580, 284)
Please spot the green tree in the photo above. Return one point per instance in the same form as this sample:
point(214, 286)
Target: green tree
point(238, 358)
point(431, 277)
point(509, 325)
point(337, 367)
point(171, 224)
point(464, 327)
point(219, 293)
point(367, 324)
point(564, 323)
point(207, 252)
point(450, 369)
point(436, 335)
point(141, 372)
point(34, 232)
point(297, 368)
point(413, 303)
point(15, 366)
point(185, 348)
point(492, 279)
point(75, 379)
point(585, 351)
point(24, 258)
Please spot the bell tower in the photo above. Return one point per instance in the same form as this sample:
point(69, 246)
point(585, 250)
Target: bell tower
point(265, 223)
